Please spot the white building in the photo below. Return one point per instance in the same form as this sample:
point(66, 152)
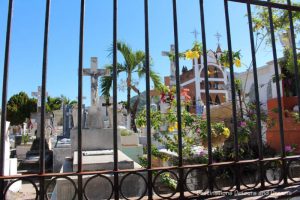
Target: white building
point(266, 86)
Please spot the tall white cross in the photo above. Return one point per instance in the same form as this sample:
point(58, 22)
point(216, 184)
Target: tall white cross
point(94, 73)
point(38, 95)
point(172, 64)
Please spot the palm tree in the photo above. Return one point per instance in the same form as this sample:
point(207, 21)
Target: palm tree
point(134, 63)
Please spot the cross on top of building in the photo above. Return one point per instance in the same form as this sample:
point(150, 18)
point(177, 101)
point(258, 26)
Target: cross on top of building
point(94, 73)
point(218, 36)
point(195, 33)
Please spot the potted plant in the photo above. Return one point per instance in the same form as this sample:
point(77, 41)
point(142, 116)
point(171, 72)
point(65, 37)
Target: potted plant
point(129, 138)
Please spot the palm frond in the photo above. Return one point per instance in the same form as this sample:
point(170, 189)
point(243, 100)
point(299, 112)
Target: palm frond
point(155, 79)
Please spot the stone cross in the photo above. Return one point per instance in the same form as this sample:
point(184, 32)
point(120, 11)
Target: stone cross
point(94, 73)
point(172, 64)
point(38, 95)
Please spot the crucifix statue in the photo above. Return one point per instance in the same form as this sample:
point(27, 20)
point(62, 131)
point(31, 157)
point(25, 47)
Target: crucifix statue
point(172, 64)
point(94, 73)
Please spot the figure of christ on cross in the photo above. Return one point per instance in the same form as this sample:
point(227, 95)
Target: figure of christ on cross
point(94, 73)
point(172, 64)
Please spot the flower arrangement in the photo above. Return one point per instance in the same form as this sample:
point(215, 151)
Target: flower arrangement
point(194, 128)
point(290, 149)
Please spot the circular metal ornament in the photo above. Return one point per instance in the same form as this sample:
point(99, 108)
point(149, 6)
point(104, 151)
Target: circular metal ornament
point(156, 179)
point(100, 176)
point(230, 177)
point(190, 172)
point(22, 179)
point(135, 174)
point(289, 169)
point(62, 177)
point(273, 167)
point(252, 174)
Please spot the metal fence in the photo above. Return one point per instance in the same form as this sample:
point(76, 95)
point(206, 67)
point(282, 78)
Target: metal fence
point(180, 172)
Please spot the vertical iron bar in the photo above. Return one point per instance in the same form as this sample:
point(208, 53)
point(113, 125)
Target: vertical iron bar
point(43, 99)
point(80, 66)
point(4, 92)
point(211, 187)
point(233, 95)
point(278, 91)
point(178, 99)
point(258, 118)
point(149, 160)
point(296, 70)
point(115, 130)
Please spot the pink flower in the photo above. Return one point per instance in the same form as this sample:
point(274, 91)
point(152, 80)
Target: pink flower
point(288, 148)
point(243, 124)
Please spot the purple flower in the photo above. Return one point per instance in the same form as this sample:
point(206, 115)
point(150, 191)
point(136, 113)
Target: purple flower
point(288, 148)
point(202, 153)
point(243, 124)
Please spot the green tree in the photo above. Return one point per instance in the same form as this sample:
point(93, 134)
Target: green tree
point(282, 30)
point(55, 103)
point(134, 63)
point(19, 107)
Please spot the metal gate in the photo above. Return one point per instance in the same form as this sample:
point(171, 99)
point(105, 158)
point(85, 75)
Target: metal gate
point(181, 172)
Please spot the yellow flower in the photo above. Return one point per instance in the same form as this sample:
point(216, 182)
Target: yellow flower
point(237, 62)
point(171, 129)
point(226, 64)
point(226, 132)
point(191, 54)
point(176, 125)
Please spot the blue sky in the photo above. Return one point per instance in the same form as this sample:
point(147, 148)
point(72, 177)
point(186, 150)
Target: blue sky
point(27, 38)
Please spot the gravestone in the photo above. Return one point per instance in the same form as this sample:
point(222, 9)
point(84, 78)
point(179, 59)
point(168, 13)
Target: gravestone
point(31, 162)
point(6, 150)
point(97, 148)
point(67, 120)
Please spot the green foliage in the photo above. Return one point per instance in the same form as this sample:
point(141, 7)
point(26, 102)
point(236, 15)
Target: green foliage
point(25, 139)
point(125, 132)
point(296, 116)
point(134, 63)
point(197, 47)
point(19, 107)
point(224, 59)
point(194, 129)
point(261, 24)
